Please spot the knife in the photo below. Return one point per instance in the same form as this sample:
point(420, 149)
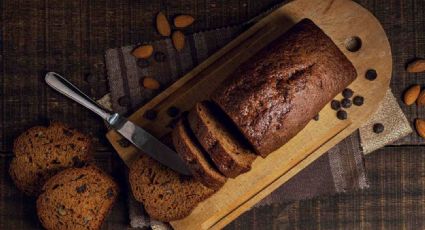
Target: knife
point(139, 137)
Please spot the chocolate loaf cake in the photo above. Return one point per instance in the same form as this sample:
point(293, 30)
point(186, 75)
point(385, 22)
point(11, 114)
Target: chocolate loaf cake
point(196, 159)
point(230, 156)
point(274, 95)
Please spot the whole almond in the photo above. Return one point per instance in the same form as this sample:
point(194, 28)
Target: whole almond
point(416, 66)
point(178, 40)
point(420, 127)
point(421, 98)
point(162, 25)
point(183, 21)
point(150, 83)
point(144, 51)
point(412, 94)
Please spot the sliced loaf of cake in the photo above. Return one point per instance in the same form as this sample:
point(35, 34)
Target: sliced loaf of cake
point(196, 159)
point(41, 152)
point(227, 151)
point(165, 194)
point(76, 198)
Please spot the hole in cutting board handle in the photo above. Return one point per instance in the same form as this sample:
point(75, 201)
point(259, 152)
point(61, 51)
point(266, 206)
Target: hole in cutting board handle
point(353, 44)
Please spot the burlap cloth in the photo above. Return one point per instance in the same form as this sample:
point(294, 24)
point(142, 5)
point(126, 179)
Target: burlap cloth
point(341, 169)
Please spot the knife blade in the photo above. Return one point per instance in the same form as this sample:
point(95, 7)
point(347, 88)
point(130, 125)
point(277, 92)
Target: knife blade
point(139, 137)
point(144, 141)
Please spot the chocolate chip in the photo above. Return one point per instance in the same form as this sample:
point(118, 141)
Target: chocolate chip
point(61, 210)
point(335, 105)
point(346, 103)
point(142, 63)
point(81, 188)
point(160, 56)
point(55, 162)
point(173, 111)
point(358, 100)
point(77, 162)
point(87, 219)
point(371, 75)
point(316, 118)
point(124, 101)
point(378, 128)
point(150, 115)
point(124, 143)
point(80, 177)
point(91, 79)
point(55, 186)
point(109, 193)
point(172, 123)
point(68, 132)
point(347, 93)
point(342, 115)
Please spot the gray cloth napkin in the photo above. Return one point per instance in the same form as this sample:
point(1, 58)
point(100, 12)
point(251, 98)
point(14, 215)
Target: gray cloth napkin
point(339, 170)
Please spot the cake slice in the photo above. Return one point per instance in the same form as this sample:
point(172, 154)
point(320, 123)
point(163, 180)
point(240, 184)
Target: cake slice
point(198, 161)
point(215, 135)
point(165, 194)
point(77, 198)
point(41, 152)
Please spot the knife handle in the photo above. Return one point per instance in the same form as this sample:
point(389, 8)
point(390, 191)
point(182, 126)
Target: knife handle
point(65, 87)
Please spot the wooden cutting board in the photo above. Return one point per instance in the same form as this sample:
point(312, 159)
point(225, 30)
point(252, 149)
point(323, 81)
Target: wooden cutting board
point(346, 23)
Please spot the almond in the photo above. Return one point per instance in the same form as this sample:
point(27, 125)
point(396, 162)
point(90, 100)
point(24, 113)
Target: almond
point(183, 21)
point(150, 83)
point(162, 25)
point(144, 51)
point(412, 94)
point(416, 66)
point(421, 98)
point(178, 40)
point(420, 127)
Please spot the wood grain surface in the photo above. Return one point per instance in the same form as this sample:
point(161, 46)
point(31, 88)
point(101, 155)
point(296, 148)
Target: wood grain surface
point(71, 36)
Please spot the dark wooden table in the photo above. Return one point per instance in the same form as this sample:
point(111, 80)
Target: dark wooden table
point(71, 36)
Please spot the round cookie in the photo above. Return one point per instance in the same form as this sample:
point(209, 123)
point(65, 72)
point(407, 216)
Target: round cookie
point(76, 198)
point(165, 194)
point(41, 152)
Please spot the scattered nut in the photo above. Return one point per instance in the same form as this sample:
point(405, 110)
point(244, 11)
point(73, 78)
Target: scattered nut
point(162, 25)
point(61, 210)
point(412, 94)
point(143, 51)
point(178, 40)
point(421, 98)
point(150, 83)
point(417, 66)
point(420, 127)
point(182, 21)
